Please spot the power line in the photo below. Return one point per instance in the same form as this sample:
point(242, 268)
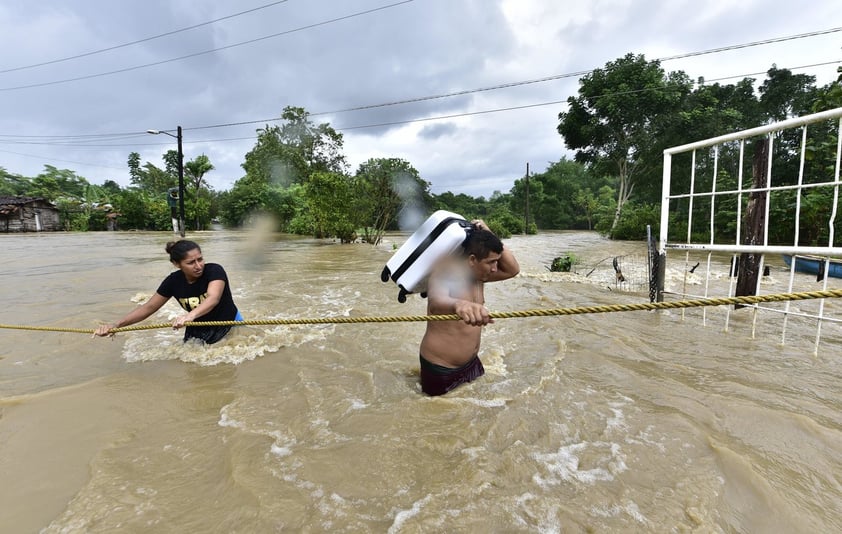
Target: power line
point(393, 123)
point(250, 41)
point(444, 95)
point(755, 43)
point(384, 124)
point(489, 88)
point(68, 141)
point(533, 81)
point(51, 140)
point(63, 160)
point(144, 40)
point(380, 125)
point(556, 102)
point(579, 73)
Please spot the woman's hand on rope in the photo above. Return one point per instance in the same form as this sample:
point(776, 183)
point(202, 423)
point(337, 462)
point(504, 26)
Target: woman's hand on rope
point(179, 321)
point(104, 330)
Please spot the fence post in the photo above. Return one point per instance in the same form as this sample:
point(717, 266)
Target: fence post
point(748, 268)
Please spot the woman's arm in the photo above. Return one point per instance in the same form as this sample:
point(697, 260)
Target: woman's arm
point(135, 316)
point(215, 289)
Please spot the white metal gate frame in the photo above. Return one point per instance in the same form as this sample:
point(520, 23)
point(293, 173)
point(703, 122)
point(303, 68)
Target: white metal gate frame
point(736, 248)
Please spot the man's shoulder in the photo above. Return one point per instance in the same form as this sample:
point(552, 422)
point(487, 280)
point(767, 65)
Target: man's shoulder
point(449, 267)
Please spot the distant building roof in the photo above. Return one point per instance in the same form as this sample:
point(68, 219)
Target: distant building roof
point(17, 201)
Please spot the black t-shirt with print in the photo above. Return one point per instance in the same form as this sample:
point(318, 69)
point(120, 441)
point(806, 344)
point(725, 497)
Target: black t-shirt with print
point(189, 296)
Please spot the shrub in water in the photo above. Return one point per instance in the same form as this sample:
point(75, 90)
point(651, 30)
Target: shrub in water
point(563, 264)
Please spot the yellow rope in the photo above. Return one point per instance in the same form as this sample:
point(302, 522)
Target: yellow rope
point(715, 301)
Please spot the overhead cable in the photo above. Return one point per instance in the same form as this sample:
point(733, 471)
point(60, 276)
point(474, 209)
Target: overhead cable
point(204, 52)
point(144, 40)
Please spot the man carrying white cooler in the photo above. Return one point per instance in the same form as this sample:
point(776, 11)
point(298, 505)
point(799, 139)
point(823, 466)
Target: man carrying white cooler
point(450, 349)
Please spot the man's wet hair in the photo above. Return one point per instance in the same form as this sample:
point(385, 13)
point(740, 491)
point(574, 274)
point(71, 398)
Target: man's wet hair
point(481, 243)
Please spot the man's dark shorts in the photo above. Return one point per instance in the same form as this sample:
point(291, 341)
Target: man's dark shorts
point(438, 380)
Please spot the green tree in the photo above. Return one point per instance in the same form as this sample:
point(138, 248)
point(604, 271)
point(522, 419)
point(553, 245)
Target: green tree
point(194, 171)
point(75, 197)
point(283, 158)
point(465, 205)
point(250, 196)
point(616, 122)
point(518, 201)
point(152, 178)
point(13, 184)
point(54, 184)
point(587, 203)
point(290, 153)
point(142, 210)
point(134, 167)
point(784, 95)
point(562, 183)
point(329, 197)
point(830, 96)
point(713, 109)
point(821, 163)
point(111, 188)
point(383, 187)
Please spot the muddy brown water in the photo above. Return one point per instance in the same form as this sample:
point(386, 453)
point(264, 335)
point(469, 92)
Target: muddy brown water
point(620, 422)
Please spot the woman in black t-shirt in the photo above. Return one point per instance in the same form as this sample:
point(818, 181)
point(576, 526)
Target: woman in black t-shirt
point(202, 289)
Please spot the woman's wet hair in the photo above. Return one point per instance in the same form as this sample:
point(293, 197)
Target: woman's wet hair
point(481, 243)
point(178, 249)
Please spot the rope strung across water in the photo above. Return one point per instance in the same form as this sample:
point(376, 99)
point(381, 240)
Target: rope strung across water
point(695, 303)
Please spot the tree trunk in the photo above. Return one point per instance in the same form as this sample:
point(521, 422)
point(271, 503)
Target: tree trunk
point(623, 193)
point(754, 223)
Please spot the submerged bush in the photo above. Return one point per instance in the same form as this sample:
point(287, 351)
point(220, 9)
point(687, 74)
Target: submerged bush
point(563, 264)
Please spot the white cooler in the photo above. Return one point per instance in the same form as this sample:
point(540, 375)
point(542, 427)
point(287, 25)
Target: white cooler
point(441, 234)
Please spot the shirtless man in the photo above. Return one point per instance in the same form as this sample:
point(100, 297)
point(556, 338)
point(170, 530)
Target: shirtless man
point(450, 349)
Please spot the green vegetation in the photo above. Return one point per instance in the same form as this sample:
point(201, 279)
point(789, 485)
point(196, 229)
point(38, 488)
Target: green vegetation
point(563, 264)
point(618, 125)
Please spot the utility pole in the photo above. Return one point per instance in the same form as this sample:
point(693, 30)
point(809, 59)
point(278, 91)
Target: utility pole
point(526, 217)
point(180, 176)
point(182, 221)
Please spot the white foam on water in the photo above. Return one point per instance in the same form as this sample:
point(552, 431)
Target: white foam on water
point(629, 508)
point(226, 420)
point(618, 420)
point(493, 360)
point(280, 451)
point(486, 403)
point(645, 437)
point(243, 343)
point(546, 518)
point(402, 516)
point(356, 404)
point(282, 444)
point(564, 465)
point(474, 453)
point(453, 398)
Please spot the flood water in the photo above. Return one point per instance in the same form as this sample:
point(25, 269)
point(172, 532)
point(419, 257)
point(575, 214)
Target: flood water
point(617, 422)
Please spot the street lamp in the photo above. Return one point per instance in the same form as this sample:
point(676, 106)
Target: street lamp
point(180, 176)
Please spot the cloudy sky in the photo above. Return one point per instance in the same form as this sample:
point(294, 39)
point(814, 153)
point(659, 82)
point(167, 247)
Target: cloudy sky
point(467, 91)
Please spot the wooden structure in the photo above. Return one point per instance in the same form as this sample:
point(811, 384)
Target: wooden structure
point(27, 214)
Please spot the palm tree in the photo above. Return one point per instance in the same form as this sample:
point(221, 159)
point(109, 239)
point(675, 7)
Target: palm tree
point(195, 171)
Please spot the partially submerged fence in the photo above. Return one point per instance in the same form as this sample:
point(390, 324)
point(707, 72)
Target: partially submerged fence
point(752, 212)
